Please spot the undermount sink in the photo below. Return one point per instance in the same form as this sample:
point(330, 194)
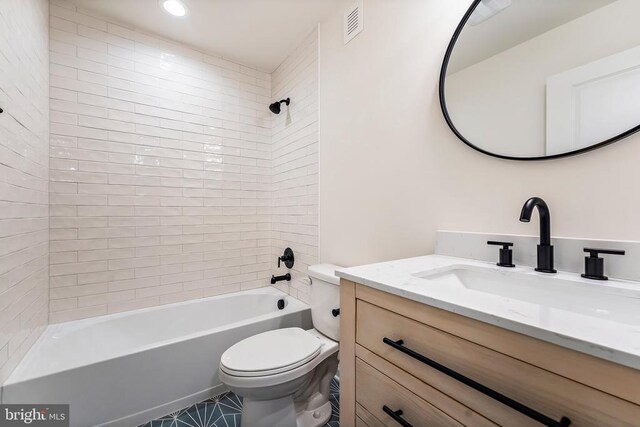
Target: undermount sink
point(613, 300)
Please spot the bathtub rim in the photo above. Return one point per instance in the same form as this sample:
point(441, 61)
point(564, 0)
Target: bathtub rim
point(293, 305)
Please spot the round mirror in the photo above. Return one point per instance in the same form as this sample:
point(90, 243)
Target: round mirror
point(539, 79)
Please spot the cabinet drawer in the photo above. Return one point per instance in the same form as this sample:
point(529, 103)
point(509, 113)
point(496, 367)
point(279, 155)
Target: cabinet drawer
point(364, 418)
point(446, 404)
point(545, 392)
point(376, 391)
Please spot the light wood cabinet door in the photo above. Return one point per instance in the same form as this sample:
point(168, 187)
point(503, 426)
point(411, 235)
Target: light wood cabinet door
point(365, 418)
point(609, 377)
point(548, 393)
point(376, 391)
point(446, 404)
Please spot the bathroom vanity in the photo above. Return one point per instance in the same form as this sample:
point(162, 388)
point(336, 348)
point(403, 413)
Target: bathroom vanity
point(439, 341)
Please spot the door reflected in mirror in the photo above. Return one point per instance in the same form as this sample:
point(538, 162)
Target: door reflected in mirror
point(531, 79)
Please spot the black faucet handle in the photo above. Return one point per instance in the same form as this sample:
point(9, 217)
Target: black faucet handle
point(506, 254)
point(594, 265)
point(595, 252)
point(505, 245)
point(287, 257)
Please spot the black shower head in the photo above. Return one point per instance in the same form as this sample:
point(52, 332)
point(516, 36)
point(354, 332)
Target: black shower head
point(275, 107)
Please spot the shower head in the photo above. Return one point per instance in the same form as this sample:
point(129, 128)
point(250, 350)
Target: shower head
point(275, 107)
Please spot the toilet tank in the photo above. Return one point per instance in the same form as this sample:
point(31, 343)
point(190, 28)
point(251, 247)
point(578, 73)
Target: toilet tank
point(325, 297)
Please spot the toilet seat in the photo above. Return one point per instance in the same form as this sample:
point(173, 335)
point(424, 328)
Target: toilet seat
point(269, 353)
point(328, 347)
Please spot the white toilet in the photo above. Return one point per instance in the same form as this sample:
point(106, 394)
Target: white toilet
point(284, 375)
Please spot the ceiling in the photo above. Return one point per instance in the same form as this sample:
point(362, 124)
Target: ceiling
point(258, 33)
point(521, 21)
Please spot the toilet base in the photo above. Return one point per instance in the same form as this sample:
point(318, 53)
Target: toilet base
point(303, 402)
point(269, 413)
point(315, 418)
point(281, 413)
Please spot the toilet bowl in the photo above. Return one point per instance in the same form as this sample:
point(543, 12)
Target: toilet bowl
point(284, 374)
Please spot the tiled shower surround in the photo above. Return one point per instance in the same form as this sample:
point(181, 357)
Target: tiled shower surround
point(161, 170)
point(295, 163)
point(24, 170)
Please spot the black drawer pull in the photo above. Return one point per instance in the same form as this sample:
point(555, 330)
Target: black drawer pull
point(396, 415)
point(531, 413)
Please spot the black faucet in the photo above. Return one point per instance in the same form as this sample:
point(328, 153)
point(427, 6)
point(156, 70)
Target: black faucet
point(545, 249)
point(276, 279)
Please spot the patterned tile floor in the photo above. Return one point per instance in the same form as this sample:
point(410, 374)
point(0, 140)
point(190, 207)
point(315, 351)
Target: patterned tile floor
point(225, 410)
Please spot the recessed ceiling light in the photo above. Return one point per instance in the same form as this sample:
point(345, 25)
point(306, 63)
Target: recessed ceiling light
point(174, 7)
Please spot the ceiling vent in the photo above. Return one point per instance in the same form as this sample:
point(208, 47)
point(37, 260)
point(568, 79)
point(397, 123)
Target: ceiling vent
point(353, 21)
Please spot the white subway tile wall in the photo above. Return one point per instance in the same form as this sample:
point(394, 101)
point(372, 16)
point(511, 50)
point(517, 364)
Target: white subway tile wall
point(295, 164)
point(160, 170)
point(24, 177)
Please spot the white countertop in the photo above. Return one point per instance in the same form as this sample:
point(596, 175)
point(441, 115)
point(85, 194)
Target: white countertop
point(600, 333)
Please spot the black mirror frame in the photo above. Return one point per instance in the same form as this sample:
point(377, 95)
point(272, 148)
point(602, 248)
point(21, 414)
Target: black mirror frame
point(445, 112)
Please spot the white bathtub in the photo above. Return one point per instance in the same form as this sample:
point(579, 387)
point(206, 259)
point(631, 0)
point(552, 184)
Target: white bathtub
point(128, 368)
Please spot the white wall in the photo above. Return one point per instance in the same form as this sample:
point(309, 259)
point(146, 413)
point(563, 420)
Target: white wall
point(392, 172)
point(505, 95)
point(24, 170)
point(160, 170)
point(295, 164)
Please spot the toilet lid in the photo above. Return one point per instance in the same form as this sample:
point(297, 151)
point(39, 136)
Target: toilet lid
point(270, 352)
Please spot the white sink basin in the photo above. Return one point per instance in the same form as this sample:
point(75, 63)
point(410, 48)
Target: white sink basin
point(597, 318)
point(613, 300)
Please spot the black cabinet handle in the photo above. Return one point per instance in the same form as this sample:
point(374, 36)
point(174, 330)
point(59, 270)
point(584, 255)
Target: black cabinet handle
point(396, 415)
point(531, 413)
point(335, 312)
